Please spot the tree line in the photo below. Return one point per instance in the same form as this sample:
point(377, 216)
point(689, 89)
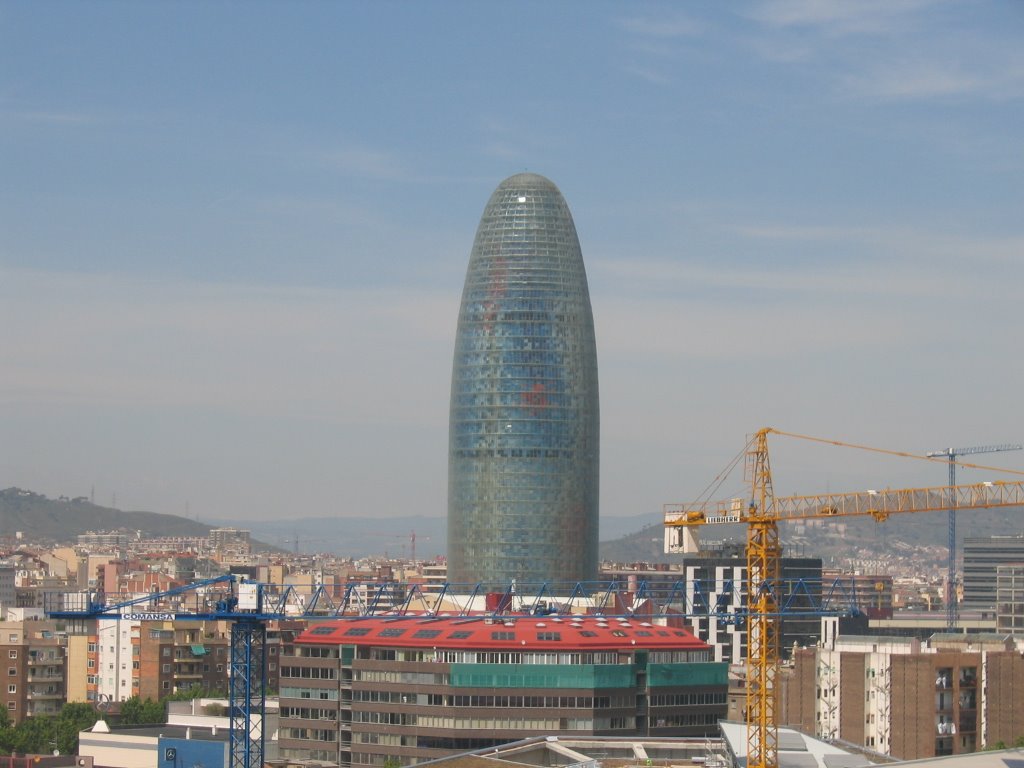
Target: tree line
point(42, 734)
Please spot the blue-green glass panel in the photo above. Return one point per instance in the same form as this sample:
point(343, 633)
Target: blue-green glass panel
point(675, 675)
point(580, 676)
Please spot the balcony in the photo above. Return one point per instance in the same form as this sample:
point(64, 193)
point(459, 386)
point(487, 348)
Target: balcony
point(39, 660)
point(42, 695)
point(55, 677)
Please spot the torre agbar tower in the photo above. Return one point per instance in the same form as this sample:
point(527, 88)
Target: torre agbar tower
point(523, 446)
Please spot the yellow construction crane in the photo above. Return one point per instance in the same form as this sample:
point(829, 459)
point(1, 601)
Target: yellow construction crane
point(761, 514)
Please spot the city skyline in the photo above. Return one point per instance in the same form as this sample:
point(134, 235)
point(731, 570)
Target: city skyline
point(231, 245)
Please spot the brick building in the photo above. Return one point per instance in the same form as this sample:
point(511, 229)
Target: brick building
point(35, 668)
point(153, 659)
point(954, 695)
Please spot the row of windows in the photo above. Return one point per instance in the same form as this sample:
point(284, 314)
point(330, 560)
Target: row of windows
point(504, 327)
point(515, 419)
point(525, 657)
point(540, 724)
point(418, 655)
point(309, 713)
point(388, 739)
point(315, 652)
point(502, 702)
point(310, 673)
point(555, 406)
point(687, 699)
point(686, 719)
point(549, 386)
point(531, 464)
point(520, 439)
point(483, 379)
point(526, 453)
point(366, 758)
point(676, 657)
point(495, 432)
point(390, 676)
point(492, 368)
point(308, 734)
point(536, 307)
point(455, 744)
point(509, 313)
point(479, 289)
point(535, 214)
point(484, 375)
point(537, 702)
point(388, 697)
point(567, 497)
point(527, 264)
point(511, 220)
point(320, 694)
point(387, 718)
point(509, 262)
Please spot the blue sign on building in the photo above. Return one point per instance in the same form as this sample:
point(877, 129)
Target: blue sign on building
point(192, 753)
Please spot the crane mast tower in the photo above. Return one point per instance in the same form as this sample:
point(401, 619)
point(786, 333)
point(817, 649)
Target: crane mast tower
point(761, 517)
point(952, 612)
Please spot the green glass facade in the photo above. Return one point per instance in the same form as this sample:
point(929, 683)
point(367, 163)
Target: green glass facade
point(524, 418)
point(676, 675)
point(589, 676)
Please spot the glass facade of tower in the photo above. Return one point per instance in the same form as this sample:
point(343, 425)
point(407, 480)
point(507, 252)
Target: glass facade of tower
point(524, 422)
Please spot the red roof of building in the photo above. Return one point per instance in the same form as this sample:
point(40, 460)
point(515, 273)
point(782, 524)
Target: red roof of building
point(535, 632)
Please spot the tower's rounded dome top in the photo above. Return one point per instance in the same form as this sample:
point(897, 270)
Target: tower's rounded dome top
point(534, 199)
point(527, 179)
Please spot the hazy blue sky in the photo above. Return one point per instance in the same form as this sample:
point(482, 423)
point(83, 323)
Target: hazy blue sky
point(233, 238)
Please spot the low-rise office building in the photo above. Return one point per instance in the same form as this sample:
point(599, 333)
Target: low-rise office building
point(365, 691)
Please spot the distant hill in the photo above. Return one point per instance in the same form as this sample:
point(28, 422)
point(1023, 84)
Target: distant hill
point(60, 520)
point(626, 539)
point(40, 518)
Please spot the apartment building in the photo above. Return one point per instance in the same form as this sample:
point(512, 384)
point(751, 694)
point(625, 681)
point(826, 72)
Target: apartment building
point(35, 676)
point(717, 587)
point(955, 694)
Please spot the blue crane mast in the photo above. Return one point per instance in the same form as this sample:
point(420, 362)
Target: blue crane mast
point(952, 614)
point(225, 597)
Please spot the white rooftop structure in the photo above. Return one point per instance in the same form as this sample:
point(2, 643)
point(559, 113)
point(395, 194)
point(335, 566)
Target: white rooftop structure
point(796, 750)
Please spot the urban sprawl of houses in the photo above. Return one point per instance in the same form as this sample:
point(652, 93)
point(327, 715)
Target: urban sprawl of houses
point(375, 693)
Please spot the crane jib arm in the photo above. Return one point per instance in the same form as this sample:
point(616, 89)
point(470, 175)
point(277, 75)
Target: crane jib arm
point(878, 504)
